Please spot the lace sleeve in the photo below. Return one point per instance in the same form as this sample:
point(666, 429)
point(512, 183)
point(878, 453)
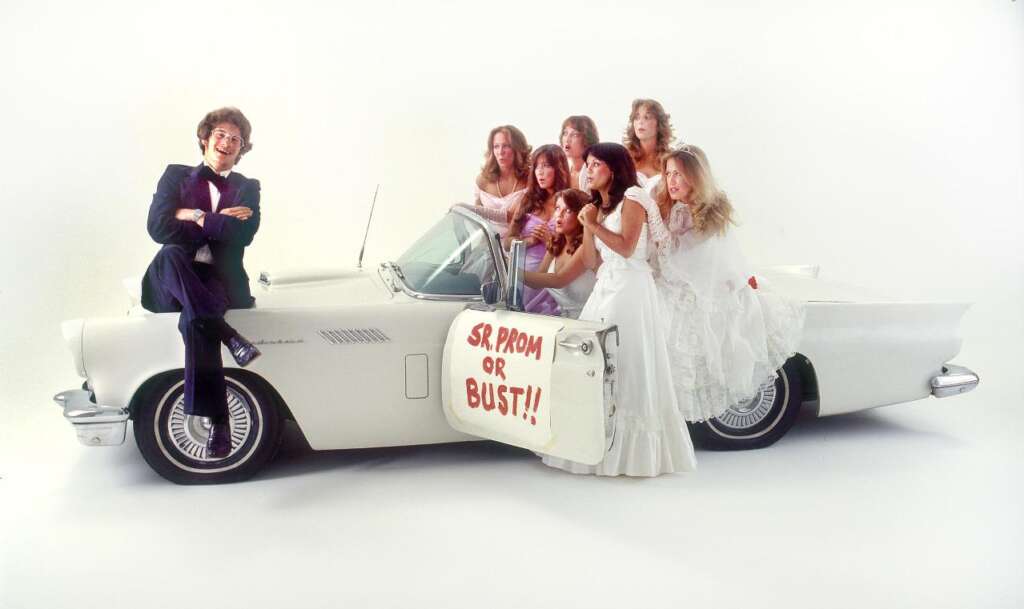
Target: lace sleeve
point(658, 234)
point(679, 222)
point(498, 216)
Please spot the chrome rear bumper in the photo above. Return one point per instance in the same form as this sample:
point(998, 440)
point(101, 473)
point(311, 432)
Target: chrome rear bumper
point(954, 380)
point(96, 425)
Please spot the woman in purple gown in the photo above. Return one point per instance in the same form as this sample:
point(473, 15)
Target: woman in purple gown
point(532, 218)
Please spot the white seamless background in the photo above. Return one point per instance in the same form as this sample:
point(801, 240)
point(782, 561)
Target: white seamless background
point(881, 140)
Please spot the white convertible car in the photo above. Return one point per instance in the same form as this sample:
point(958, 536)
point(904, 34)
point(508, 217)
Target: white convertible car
point(431, 348)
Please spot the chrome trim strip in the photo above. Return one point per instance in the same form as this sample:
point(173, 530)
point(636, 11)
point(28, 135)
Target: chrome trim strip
point(95, 424)
point(954, 380)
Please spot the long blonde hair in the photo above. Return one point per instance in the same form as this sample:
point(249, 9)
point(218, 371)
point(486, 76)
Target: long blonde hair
point(710, 207)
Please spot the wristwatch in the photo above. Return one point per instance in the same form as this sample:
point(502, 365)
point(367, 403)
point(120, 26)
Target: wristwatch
point(197, 214)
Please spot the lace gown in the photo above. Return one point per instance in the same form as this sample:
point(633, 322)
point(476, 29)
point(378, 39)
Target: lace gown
point(650, 436)
point(725, 338)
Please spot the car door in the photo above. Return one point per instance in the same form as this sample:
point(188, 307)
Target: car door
point(534, 381)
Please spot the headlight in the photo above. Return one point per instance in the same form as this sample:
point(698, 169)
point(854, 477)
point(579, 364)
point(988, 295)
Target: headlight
point(72, 330)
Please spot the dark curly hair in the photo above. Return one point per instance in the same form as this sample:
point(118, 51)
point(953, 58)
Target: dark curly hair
point(574, 199)
point(664, 137)
point(617, 158)
point(535, 196)
point(520, 166)
point(227, 114)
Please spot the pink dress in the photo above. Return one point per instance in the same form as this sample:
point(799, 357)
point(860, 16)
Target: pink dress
point(494, 202)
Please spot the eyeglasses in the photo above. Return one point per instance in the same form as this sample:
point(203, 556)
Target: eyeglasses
point(221, 135)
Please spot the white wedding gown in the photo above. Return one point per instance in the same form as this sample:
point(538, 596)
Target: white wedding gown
point(572, 297)
point(650, 436)
point(725, 338)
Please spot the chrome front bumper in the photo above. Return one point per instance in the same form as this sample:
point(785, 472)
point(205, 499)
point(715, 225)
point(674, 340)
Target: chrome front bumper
point(954, 380)
point(95, 425)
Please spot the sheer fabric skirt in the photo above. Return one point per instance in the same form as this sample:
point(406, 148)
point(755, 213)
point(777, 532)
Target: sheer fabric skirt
point(650, 436)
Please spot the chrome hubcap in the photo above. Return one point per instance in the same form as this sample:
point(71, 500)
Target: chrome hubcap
point(751, 413)
point(188, 433)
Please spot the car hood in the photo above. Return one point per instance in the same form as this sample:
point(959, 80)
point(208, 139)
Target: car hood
point(320, 287)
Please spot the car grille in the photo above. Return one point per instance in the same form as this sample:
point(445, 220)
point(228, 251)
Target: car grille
point(354, 336)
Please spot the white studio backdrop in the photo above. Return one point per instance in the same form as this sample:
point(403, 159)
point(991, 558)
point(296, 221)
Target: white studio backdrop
point(883, 141)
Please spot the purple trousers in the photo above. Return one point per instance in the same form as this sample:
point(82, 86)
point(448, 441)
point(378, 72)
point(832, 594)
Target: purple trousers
point(175, 282)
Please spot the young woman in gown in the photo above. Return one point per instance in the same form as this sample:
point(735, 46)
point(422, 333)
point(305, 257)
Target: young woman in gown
point(563, 272)
point(727, 332)
point(648, 137)
point(502, 180)
point(650, 436)
point(578, 133)
point(532, 218)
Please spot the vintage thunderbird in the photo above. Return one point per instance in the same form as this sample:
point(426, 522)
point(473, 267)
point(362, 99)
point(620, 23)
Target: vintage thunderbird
point(434, 348)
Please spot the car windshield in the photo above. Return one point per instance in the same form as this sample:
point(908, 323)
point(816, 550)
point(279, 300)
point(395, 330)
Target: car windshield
point(452, 259)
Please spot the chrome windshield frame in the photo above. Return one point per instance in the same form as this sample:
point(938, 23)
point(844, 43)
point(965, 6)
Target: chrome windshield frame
point(494, 246)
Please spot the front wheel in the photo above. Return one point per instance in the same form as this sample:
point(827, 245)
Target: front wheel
point(174, 444)
point(759, 422)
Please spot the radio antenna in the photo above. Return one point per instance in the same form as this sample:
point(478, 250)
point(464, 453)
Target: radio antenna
point(359, 264)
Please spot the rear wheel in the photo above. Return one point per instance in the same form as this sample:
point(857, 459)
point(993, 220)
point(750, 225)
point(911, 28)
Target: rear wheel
point(174, 444)
point(759, 422)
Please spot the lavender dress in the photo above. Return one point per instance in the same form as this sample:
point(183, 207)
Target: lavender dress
point(537, 300)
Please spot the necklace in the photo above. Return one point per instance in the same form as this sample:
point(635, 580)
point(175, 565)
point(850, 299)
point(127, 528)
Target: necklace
point(514, 184)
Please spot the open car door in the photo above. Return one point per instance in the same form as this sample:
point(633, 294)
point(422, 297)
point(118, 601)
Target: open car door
point(534, 381)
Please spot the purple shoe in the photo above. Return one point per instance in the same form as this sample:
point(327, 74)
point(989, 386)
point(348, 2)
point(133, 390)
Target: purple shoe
point(218, 443)
point(242, 350)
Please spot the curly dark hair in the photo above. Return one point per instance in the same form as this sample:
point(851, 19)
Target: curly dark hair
point(521, 165)
point(618, 160)
point(664, 138)
point(227, 114)
point(535, 196)
point(574, 199)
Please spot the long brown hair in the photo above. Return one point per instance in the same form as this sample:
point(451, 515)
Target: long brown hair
point(664, 135)
point(490, 172)
point(711, 209)
point(535, 196)
point(575, 200)
point(583, 124)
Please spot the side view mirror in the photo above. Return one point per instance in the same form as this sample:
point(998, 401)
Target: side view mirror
point(516, 276)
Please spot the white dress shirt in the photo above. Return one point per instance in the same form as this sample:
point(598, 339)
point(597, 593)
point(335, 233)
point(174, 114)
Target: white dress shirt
point(204, 254)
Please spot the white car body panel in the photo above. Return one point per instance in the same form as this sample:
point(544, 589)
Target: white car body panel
point(381, 386)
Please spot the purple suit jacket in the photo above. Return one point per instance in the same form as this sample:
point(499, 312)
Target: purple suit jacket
point(182, 187)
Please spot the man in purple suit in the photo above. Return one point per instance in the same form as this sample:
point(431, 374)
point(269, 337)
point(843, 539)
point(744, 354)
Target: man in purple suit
point(204, 217)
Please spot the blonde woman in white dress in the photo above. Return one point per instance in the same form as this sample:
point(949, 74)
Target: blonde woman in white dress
point(650, 436)
point(566, 277)
point(727, 331)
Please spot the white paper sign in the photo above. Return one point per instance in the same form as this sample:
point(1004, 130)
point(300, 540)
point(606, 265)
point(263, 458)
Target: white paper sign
point(500, 374)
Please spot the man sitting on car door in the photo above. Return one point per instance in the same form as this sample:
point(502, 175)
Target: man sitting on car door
point(204, 217)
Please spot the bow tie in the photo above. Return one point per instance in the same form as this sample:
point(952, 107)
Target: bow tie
point(214, 178)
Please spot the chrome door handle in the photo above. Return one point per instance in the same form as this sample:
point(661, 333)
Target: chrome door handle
point(584, 347)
